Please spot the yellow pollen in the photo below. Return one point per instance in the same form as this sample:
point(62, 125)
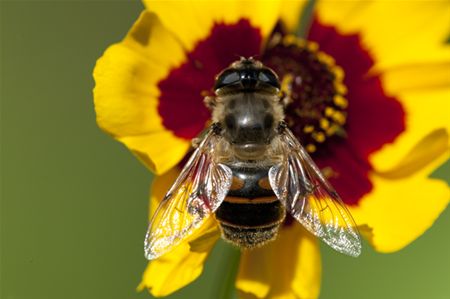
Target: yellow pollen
point(340, 88)
point(339, 117)
point(308, 129)
point(310, 148)
point(329, 111)
point(312, 46)
point(286, 84)
point(338, 72)
point(289, 40)
point(319, 136)
point(325, 58)
point(340, 101)
point(324, 123)
point(332, 130)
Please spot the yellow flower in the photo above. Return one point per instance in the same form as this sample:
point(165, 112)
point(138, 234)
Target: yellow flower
point(369, 89)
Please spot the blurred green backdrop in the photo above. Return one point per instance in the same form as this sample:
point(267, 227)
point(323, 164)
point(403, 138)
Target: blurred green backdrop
point(74, 202)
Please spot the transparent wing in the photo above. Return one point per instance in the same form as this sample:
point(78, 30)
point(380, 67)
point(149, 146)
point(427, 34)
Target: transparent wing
point(198, 191)
point(311, 200)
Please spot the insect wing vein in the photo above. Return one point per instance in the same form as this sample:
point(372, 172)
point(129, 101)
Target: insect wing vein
point(311, 199)
point(198, 191)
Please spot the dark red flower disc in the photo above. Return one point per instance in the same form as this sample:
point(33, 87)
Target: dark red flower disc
point(373, 120)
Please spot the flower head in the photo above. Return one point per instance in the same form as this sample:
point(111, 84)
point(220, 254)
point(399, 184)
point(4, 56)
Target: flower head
point(366, 87)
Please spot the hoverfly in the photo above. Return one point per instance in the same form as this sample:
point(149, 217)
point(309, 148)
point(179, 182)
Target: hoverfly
point(249, 171)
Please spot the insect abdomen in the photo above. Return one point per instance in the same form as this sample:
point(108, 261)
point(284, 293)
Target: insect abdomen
point(250, 215)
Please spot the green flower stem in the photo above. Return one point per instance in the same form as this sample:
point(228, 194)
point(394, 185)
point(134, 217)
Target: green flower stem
point(229, 266)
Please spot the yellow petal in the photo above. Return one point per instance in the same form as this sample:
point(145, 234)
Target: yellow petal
point(192, 21)
point(159, 151)
point(422, 87)
point(286, 268)
point(429, 152)
point(126, 93)
point(429, 70)
point(399, 210)
point(180, 266)
point(426, 121)
point(394, 31)
point(183, 264)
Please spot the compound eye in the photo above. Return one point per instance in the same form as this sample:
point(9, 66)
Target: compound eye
point(230, 78)
point(227, 78)
point(269, 77)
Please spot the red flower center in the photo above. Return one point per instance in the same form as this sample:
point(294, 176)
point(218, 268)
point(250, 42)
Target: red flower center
point(314, 85)
point(373, 118)
point(318, 111)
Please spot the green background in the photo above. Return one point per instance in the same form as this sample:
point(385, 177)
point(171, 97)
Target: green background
point(74, 201)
